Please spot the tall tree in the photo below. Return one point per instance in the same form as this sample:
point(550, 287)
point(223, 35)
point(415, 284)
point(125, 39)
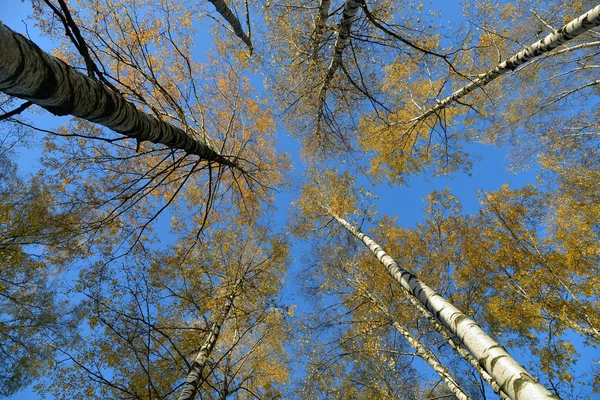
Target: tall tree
point(514, 380)
point(151, 316)
point(578, 26)
point(510, 375)
point(37, 242)
point(426, 134)
point(35, 76)
point(135, 183)
point(194, 378)
point(505, 266)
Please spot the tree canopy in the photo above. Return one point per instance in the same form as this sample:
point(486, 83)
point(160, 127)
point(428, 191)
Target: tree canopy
point(223, 210)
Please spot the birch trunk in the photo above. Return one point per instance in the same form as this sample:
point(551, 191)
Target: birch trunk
point(421, 349)
point(190, 387)
point(350, 10)
point(235, 24)
point(514, 380)
point(459, 348)
point(31, 74)
point(320, 25)
point(585, 22)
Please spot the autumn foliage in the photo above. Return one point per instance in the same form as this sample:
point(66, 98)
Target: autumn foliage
point(203, 234)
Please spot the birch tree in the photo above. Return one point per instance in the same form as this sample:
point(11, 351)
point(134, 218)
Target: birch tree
point(134, 182)
point(195, 377)
point(222, 8)
point(160, 315)
point(413, 311)
point(578, 26)
point(510, 375)
point(102, 171)
point(35, 76)
point(343, 35)
point(424, 134)
point(504, 266)
point(353, 280)
point(37, 242)
point(514, 380)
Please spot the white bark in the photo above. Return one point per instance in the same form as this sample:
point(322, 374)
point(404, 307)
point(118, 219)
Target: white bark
point(348, 16)
point(421, 349)
point(514, 380)
point(190, 387)
point(226, 13)
point(320, 25)
point(585, 22)
point(29, 73)
point(459, 348)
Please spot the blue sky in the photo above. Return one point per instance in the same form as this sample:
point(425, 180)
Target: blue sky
point(489, 171)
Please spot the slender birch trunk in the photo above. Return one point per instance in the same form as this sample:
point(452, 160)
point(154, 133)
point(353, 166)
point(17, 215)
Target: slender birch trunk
point(190, 387)
point(31, 74)
point(350, 9)
point(320, 25)
point(578, 26)
point(514, 380)
point(456, 346)
point(423, 352)
point(235, 24)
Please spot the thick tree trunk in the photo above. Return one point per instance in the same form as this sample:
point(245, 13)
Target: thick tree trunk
point(459, 348)
point(585, 22)
point(29, 73)
point(228, 15)
point(514, 380)
point(190, 387)
point(420, 348)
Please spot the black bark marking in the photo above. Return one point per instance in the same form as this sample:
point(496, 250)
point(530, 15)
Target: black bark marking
point(495, 361)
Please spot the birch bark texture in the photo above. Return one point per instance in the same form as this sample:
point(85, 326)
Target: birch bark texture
point(427, 355)
point(350, 9)
point(233, 21)
point(320, 25)
point(190, 387)
point(514, 380)
point(458, 347)
point(578, 26)
point(27, 72)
